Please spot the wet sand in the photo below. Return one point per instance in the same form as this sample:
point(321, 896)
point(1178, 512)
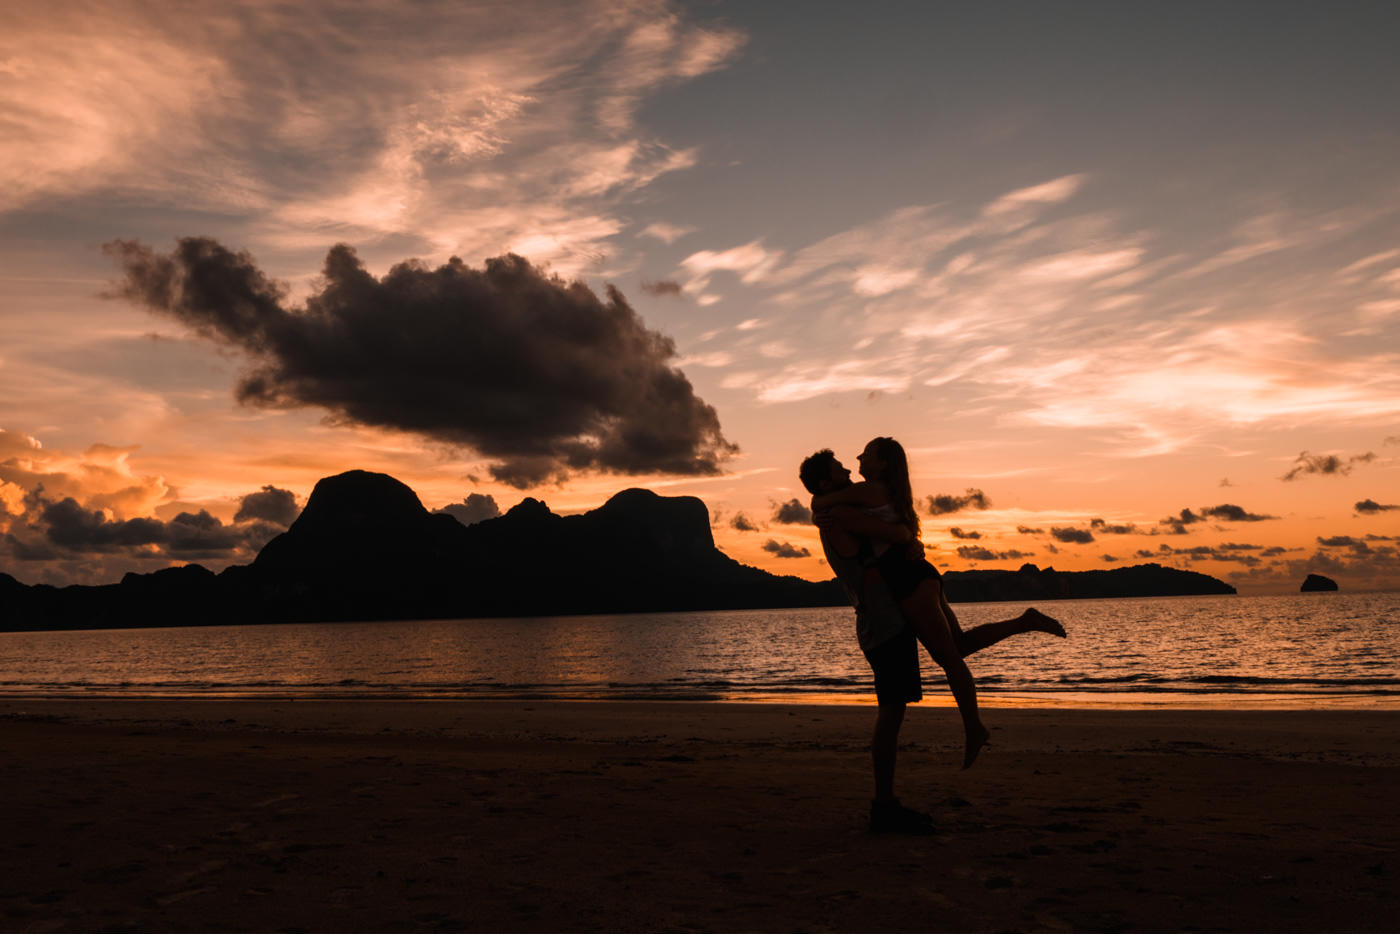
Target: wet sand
point(650, 816)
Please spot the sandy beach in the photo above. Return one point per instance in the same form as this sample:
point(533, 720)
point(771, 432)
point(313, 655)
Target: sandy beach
point(149, 815)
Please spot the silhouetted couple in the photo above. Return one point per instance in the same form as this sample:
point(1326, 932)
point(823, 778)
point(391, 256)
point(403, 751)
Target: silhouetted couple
point(870, 533)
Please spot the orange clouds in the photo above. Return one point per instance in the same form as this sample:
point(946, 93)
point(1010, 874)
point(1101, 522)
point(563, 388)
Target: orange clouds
point(100, 477)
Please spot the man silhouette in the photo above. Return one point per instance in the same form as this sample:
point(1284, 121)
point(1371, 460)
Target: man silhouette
point(886, 638)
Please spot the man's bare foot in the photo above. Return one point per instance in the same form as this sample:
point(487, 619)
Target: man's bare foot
point(1039, 622)
point(976, 739)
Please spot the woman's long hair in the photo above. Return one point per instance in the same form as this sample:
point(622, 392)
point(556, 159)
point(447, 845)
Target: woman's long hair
point(896, 480)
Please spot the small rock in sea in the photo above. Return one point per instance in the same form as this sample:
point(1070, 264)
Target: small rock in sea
point(1317, 582)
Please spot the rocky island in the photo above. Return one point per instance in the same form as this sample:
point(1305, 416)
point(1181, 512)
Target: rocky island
point(365, 548)
point(1317, 583)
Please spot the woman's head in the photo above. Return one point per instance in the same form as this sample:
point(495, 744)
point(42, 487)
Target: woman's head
point(883, 460)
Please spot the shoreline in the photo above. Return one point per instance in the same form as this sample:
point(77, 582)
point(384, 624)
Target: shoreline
point(936, 696)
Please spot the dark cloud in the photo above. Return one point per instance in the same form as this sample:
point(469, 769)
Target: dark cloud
point(1109, 559)
point(662, 287)
point(269, 504)
point(76, 529)
point(1225, 481)
point(793, 512)
point(944, 503)
point(976, 553)
point(30, 549)
point(1027, 530)
point(743, 523)
point(71, 526)
point(1229, 553)
point(1339, 541)
point(1178, 523)
point(784, 550)
point(1225, 512)
point(539, 374)
point(1072, 535)
point(1099, 525)
point(1326, 464)
point(979, 553)
point(1392, 439)
point(1370, 506)
point(1228, 512)
point(200, 535)
point(477, 507)
point(1144, 553)
point(963, 533)
point(1359, 565)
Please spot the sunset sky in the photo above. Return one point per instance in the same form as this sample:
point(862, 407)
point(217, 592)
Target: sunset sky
point(1097, 265)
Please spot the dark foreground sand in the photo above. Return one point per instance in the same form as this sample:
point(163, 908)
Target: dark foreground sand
point(539, 816)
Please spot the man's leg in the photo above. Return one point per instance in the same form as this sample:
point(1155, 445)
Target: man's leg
point(884, 748)
point(887, 815)
point(895, 664)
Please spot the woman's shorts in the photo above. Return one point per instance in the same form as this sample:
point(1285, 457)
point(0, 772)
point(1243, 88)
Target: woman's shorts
point(904, 574)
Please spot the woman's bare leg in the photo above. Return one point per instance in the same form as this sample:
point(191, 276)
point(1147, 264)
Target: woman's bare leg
point(979, 637)
point(924, 609)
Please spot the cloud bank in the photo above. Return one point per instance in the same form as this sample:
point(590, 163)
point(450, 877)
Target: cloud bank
point(536, 373)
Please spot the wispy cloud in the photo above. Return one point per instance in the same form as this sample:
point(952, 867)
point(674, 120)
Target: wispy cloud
point(666, 233)
point(1118, 330)
point(318, 123)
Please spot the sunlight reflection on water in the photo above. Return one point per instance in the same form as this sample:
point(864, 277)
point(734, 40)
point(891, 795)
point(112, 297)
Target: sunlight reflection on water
point(1318, 649)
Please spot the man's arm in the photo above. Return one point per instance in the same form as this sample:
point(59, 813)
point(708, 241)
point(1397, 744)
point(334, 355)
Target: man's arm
point(858, 522)
point(863, 493)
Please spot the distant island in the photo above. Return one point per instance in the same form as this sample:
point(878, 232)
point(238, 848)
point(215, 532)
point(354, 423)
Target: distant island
point(365, 548)
point(1314, 583)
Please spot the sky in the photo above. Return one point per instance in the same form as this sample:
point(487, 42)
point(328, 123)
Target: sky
point(1124, 279)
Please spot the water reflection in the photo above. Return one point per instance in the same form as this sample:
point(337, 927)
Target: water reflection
point(1314, 643)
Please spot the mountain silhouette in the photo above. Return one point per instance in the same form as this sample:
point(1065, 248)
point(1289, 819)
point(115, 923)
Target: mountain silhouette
point(365, 548)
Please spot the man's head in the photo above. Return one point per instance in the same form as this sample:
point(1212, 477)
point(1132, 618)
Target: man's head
point(822, 473)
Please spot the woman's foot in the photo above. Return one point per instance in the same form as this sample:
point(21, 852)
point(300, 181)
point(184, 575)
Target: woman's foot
point(1039, 622)
point(977, 737)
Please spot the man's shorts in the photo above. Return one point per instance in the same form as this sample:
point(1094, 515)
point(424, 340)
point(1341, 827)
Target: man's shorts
point(895, 663)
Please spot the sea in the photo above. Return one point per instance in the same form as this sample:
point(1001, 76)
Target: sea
point(1320, 650)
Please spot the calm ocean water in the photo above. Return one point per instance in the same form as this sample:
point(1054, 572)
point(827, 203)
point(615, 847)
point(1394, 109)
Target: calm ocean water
point(1313, 649)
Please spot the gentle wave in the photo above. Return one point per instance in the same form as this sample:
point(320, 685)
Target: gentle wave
point(991, 686)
